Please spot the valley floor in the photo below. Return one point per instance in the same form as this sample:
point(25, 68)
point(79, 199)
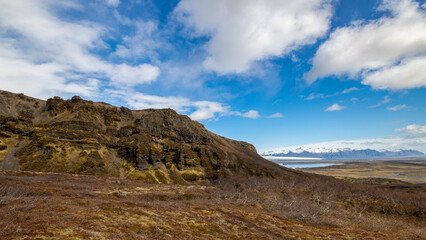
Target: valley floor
point(58, 206)
point(412, 171)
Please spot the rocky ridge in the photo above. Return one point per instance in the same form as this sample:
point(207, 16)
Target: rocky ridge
point(84, 137)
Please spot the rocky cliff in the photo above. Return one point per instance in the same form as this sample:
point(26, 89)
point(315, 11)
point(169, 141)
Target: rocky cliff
point(85, 137)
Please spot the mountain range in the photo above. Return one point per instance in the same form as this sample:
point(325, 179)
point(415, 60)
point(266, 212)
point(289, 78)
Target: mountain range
point(345, 153)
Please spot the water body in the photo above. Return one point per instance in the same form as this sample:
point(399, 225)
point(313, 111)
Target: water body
point(301, 162)
point(272, 158)
point(308, 165)
point(293, 159)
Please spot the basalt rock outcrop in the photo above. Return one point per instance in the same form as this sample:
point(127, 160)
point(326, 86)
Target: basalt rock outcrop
point(85, 137)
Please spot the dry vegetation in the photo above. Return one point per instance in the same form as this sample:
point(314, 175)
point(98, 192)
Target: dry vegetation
point(76, 136)
point(413, 171)
point(59, 206)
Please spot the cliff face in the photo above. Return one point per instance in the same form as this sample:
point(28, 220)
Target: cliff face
point(85, 137)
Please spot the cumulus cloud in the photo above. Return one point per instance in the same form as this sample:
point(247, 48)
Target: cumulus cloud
point(335, 107)
point(201, 110)
point(197, 110)
point(244, 31)
point(48, 56)
point(398, 107)
point(251, 114)
point(144, 101)
point(387, 53)
point(133, 75)
point(410, 73)
point(413, 130)
point(207, 110)
point(43, 55)
point(276, 115)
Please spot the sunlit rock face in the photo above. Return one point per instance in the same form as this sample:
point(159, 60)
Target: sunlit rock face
point(85, 137)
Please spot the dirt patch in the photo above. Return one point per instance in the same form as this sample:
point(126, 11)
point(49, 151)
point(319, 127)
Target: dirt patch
point(10, 161)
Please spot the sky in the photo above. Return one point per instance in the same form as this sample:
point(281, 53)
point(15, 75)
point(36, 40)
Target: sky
point(274, 73)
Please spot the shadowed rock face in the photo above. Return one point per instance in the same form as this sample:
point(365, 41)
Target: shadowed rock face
point(85, 137)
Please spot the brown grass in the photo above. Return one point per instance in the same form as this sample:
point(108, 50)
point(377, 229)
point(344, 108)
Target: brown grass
point(413, 171)
point(37, 206)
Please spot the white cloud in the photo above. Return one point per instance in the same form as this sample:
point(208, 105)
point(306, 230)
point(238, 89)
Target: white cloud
point(413, 130)
point(143, 101)
point(385, 100)
point(133, 75)
point(48, 56)
point(388, 53)
point(203, 109)
point(415, 138)
point(410, 73)
point(113, 3)
point(349, 90)
point(207, 110)
point(276, 115)
point(391, 143)
point(314, 96)
point(43, 55)
point(245, 31)
point(398, 107)
point(144, 43)
point(197, 110)
point(335, 107)
point(320, 95)
point(251, 114)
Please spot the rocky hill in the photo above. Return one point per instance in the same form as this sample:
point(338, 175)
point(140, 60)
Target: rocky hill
point(85, 137)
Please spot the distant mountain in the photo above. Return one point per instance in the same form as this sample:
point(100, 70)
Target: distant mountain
point(344, 153)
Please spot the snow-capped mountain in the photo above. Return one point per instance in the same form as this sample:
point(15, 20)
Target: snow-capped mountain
point(343, 153)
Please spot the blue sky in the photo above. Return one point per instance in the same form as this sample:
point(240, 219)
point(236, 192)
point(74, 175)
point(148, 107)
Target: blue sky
point(273, 73)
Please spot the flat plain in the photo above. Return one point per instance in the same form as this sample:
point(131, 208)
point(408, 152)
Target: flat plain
point(406, 170)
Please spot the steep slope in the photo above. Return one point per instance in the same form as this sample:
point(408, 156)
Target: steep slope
point(85, 137)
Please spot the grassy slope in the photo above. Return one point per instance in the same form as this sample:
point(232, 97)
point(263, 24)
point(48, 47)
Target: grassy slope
point(39, 206)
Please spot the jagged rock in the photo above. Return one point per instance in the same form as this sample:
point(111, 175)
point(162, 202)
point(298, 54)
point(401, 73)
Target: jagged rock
point(76, 99)
point(157, 145)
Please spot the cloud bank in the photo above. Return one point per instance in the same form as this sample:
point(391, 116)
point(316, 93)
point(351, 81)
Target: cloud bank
point(413, 130)
point(414, 138)
point(43, 55)
point(244, 31)
point(387, 53)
